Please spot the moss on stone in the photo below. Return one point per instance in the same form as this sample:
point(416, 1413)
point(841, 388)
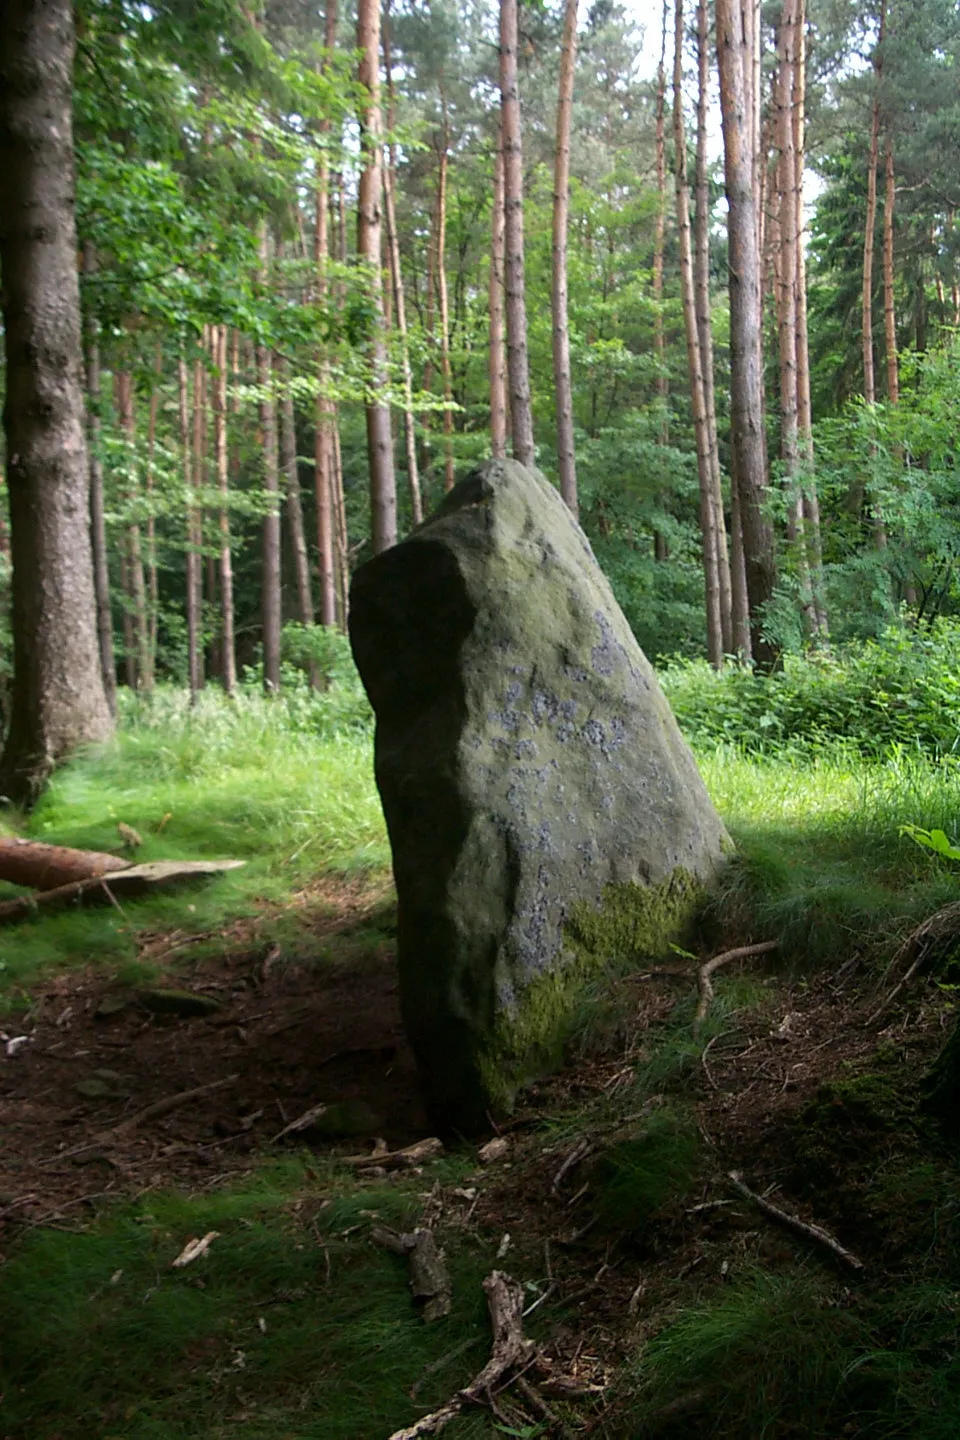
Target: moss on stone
point(632, 924)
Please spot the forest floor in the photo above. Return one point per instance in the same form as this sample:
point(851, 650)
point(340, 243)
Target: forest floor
point(662, 1299)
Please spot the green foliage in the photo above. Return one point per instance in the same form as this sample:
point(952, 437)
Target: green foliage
point(902, 690)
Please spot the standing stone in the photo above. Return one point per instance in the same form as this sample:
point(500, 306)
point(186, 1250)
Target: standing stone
point(545, 814)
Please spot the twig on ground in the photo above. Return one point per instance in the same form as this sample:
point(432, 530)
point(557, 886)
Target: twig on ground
point(505, 1303)
point(149, 1112)
point(705, 973)
point(584, 1147)
point(540, 1407)
point(403, 1159)
point(793, 1222)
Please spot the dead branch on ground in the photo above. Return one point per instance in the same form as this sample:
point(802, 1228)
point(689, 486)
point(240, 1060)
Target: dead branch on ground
point(429, 1276)
point(129, 880)
point(919, 947)
point(793, 1222)
point(705, 974)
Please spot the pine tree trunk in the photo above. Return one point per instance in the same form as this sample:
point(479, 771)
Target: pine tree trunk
point(294, 505)
point(324, 408)
point(343, 552)
point(701, 277)
point(271, 602)
point(383, 489)
point(739, 600)
point(228, 649)
point(137, 657)
point(57, 700)
point(811, 503)
point(195, 618)
point(396, 277)
point(708, 528)
point(444, 298)
point(563, 386)
point(869, 239)
point(889, 304)
point(98, 528)
point(497, 358)
point(183, 394)
point(748, 442)
point(153, 579)
point(659, 338)
point(518, 367)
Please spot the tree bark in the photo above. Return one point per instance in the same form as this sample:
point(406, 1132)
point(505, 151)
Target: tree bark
point(444, 298)
point(98, 528)
point(748, 443)
point(889, 304)
point(138, 669)
point(271, 607)
point(566, 454)
point(708, 527)
point(195, 624)
point(228, 655)
point(497, 358)
point(294, 506)
point(869, 239)
point(383, 488)
point(396, 277)
point(153, 578)
point(57, 699)
point(325, 408)
point(701, 276)
point(659, 338)
point(518, 367)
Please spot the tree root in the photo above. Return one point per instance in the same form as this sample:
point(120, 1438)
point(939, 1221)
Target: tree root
point(704, 974)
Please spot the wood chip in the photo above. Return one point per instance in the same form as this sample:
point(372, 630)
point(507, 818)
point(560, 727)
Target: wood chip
point(194, 1249)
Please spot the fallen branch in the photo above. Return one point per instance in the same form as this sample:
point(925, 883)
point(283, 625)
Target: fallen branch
point(793, 1222)
point(584, 1147)
point(150, 1112)
point(705, 973)
point(131, 880)
point(505, 1303)
point(403, 1159)
point(919, 947)
point(429, 1276)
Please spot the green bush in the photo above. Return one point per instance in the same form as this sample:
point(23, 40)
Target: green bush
point(902, 690)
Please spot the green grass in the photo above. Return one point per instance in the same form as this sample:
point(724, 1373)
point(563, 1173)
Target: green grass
point(295, 1324)
point(247, 780)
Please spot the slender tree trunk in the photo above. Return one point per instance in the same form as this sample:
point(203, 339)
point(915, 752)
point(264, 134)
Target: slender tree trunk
point(811, 503)
point(739, 600)
point(383, 488)
point(325, 409)
point(137, 657)
point(889, 305)
point(271, 597)
point(498, 358)
point(183, 394)
point(708, 524)
point(566, 454)
point(343, 551)
point(869, 239)
point(444, 298)
point(294, 506)
point(701, 275)
point(228, 657)
point(98, 528)
point(195, 617)
point(748, 443)
point(661, 551)
point(396, 277)
point(153, 579)
point(518, 368)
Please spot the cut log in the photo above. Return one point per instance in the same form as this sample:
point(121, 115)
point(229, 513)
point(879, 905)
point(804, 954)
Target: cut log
point(131, 881)
point(47, 867)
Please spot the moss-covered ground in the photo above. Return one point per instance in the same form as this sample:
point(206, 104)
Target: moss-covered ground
point(663, 1303)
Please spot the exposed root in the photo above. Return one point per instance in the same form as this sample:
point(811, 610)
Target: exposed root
point(919, 947)
point(705, 973)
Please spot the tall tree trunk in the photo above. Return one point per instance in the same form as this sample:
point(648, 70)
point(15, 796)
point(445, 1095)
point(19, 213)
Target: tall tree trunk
point(708, 519)
point(444, 298)
point(228, 649)
point(343, 552)
point(748, 443)
point(661, 551)
point(889, 305)
point(498, 357)
point(57, 700)
point(518, 367)
point(383, 488)
point(325, 408)
point(271, 607)
point(98, 527)
point(294, 506)
point(137, 657)
point(183, 394)
point(811, 503)
point(195, 618)
point(869, 240)
point(566, 454)
point(739, 600)
point(153, 579)
point(701, 277)
point(396, 277)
